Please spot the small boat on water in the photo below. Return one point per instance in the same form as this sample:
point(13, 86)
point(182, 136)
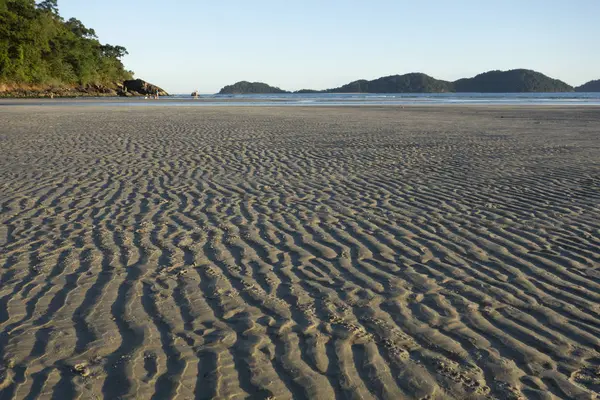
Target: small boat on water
point(195, 94)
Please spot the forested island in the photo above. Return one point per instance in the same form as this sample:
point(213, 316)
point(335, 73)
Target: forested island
point(245, 87)
point(41, 54)
point(407, 83)
point(512, 81)
point(591, 86)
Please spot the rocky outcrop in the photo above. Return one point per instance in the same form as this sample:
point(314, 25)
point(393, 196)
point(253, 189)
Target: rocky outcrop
point(38, 91)
point(139, 87)
point(136, 87)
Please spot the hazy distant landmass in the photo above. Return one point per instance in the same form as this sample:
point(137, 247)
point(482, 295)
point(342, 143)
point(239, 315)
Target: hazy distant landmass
point(591, 86)
point(408, 83)
point(41, 54)
point(245, 87)
point(512, 81)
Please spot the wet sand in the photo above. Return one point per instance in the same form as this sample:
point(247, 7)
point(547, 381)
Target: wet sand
point(265, 252)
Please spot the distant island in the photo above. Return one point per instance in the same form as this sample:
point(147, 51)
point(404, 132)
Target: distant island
point(407, 83)
point(591, 86)
point(245, 87)
point(512, 81)
point(42, 55)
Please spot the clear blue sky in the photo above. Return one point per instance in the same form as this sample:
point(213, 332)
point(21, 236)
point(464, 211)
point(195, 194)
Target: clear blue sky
point(184, 45)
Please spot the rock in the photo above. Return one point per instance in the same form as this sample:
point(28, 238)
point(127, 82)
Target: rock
point(128, 88)
point(138, 87)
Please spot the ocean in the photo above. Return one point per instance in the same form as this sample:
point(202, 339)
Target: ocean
point(332, 99)
point(570, 98)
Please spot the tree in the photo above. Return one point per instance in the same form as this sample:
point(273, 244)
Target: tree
point(49, 6)
point(113, 51)
point(77, 27)
point(38, 47)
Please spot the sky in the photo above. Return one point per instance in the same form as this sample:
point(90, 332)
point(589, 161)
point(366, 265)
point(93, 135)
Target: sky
point(184, 45)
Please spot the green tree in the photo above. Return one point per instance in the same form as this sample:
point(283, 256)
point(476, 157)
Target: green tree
point(49, 6)
point(38, 47)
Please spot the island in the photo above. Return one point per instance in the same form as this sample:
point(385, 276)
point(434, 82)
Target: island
point(591, 86)
point(245, 87)
point(407, 83)
point(511, 81)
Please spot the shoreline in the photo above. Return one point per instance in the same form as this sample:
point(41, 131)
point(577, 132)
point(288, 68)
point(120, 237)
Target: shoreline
point(139, 101)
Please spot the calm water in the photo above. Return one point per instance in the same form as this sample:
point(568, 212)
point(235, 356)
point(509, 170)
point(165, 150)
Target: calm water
point(332, 99)
point(410, 98)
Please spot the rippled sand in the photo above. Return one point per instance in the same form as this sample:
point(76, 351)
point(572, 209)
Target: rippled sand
point(321, 253)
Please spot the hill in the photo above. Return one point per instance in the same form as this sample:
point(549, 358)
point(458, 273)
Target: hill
point(512, 81)
point(591, 86)
point(245, 87)
point(407, 83)
point(42, 54)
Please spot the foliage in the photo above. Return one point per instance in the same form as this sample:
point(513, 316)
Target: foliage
point(308, 91)
point(408, 83)
point(591, 86)
point(245, 87)
point(38, 47)
point(512, 81)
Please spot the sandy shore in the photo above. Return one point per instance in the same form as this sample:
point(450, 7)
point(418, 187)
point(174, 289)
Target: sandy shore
point(264, 252)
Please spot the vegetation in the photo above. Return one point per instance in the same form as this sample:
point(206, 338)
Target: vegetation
point(408, 83)
point(513, 81)
point(38, 47)
point(591, 86)
point(245, 87)
point(308, 91)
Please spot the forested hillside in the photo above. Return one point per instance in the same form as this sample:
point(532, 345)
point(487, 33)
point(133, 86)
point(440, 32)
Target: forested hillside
point(245, 87)
point(512, 81)
point(38, 47)
point(591, 86)
point(407, 83)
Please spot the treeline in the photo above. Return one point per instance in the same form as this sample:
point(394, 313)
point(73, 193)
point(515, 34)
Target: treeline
point(38, 47)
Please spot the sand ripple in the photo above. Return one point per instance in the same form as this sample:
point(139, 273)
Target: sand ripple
point(309, 253)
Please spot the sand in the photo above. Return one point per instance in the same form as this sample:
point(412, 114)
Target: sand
point(285, 252)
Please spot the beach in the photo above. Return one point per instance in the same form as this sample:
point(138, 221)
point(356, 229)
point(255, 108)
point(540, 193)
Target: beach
point(441, 252)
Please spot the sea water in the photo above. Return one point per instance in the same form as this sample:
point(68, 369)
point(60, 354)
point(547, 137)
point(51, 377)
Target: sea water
point(407, 98)
point(332, 99)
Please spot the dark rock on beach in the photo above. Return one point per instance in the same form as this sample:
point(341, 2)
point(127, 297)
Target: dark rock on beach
point(129, 88)
point(139, 87)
